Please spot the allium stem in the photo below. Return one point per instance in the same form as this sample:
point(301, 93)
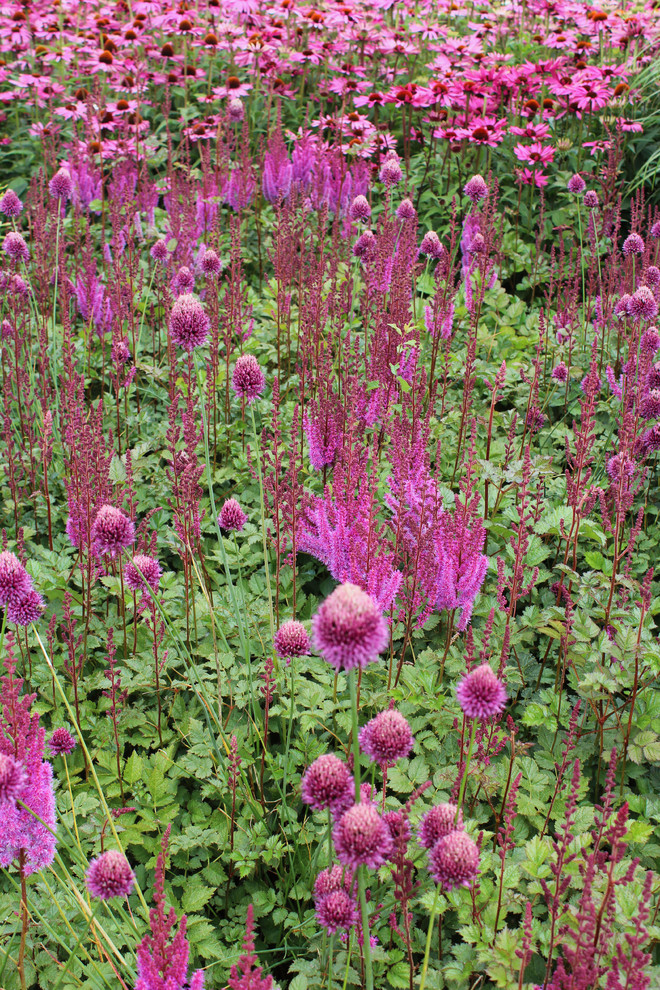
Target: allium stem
point(366, 944)
point(461, 793)
point(429, 936)
point(74, 951)
point(263, 523)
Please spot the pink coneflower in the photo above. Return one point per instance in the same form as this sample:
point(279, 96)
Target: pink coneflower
point(15, 247)
point(12, 780)
point(475, 188)
point(291, 640)
point(576, 185)
point(386, 738)
point(231, 516)
point(454, 860)
point(480, 694)
point(633, 244)
point(438, 822)
point(327, 783)
point(536, 153)
point(140, 570)
point(189, 324)
point(61, 742)
point(349, 630)
point(248, 378)
point(61, 186)
point(10, 205)
point(361, 837)
point(110, 875)
point(336, 911)
point(112, 531)
point(15, 582)
point(359, 210)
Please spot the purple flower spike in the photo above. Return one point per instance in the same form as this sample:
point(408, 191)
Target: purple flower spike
point(12, 780)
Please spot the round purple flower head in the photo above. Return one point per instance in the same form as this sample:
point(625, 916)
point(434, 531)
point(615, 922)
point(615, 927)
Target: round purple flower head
point(633, 244)
point(431, 245)
point(652, 276)
point(349, 630)
point(655, 229)
point(11, 205)
point(576, 185)
point(390, 172)
point(643, 305)
point(560, 372)
point(235, 109)
point(364, 244)
point(61, 742)
point(386, 738)
point(476, 188)
point(159, 252)
point(12, 779)
point(111, 531)
point(620, 466)
point(591, 199)
point(15, 247)
point(291, 640)
point(327, 783)
point(480, 693)
point(61, 186)
point(438, 821)
point(189, 324)
point(110, 875)
point(405, 210)
point(359, 210)
point(27, 610)
point(454, 860)
point(142, 565)
point(361, 837)
point(650, 341)
point(248, 378)
point(337, 910)
point(183, 282)
point(332, 878)
point(232, 516)
point(15, 582)
point(211, 264)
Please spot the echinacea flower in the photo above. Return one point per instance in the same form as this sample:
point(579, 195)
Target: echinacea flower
point(481, 694)
point(362, 838)
point(110, 875)
point(248, 378)
point(454, 860)
point(349, 630)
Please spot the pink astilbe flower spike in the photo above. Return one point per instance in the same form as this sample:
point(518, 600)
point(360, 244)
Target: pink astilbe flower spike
point(162, 959)
point(22, 740)
point(246, 974)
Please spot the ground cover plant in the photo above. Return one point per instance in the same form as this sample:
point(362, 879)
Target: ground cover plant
point(330, 420)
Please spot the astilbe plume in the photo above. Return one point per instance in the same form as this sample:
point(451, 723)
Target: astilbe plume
point(246, 974)
point(22, 740)
point(162, 958)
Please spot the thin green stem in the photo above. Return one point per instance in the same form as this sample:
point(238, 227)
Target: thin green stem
point(366, 944)
point(429, 935)
point(461, 793)
point(263, 524)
